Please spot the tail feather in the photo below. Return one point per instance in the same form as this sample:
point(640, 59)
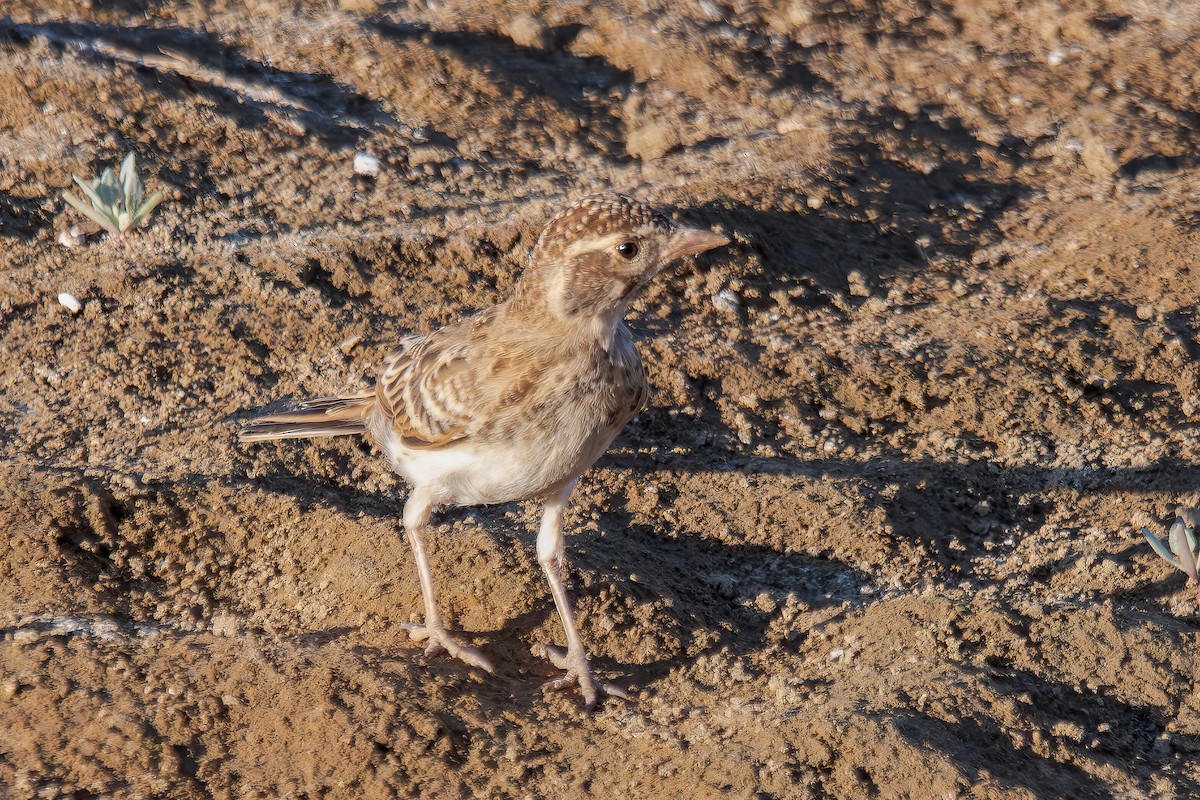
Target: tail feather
point(323, 416)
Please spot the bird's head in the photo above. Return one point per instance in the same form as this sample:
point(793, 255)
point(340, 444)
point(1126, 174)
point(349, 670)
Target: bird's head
point(601, 251)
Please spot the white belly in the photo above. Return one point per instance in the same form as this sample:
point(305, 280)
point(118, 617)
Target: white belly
point(468, 473)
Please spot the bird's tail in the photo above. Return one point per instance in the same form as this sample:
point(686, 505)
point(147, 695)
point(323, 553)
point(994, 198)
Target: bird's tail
point(324, 416)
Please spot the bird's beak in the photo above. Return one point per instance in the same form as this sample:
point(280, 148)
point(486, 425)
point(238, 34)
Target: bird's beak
point(689, 241)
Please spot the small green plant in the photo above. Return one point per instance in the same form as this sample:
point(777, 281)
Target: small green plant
point(117, 202)
point(1184, 551)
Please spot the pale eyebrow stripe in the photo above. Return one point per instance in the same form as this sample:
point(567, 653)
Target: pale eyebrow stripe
point(593, 243)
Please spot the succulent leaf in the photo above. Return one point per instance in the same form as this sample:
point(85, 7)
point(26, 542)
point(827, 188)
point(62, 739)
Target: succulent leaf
point(1161, 549)
point(128, 173)
point(1177, 538)
point(131, 187)
point(90, 191)
point(108, 189)
point(146, 207)
point(90, 212)
point(1187, 563)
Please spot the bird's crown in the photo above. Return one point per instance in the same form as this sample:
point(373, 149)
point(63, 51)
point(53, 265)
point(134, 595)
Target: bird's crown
point(598, 216)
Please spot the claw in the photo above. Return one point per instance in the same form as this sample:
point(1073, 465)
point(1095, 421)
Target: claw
point(579, 673)
point(441, 642)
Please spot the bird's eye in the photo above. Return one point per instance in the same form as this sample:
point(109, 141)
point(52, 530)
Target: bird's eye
point(628, 249)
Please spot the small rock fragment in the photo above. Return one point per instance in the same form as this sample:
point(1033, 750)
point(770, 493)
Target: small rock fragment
point(528, 31)
point(857, 284)
point(429, 154)
point(69, 302)
point(72, 237)
point(1096, 157)
point(366, 164)
point(727, 300)
point(652, 141)
point(765, 603)
point(792, 124)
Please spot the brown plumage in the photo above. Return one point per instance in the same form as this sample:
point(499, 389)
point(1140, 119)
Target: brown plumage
point(515, 402)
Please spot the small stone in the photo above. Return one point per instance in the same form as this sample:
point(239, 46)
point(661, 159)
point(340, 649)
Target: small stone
point(1068, 730)
point(856, 284)
point(652, 141)
point(1145, 312)
point(765, 603)
point(72, 237)
point(69, 302)
point(429, 154)
point(727, 300)
point(528, 31)
point(792, 124)
point(366, 164)
point(224, 625)
point(798, 14)
point(1096, 157)
point(9, 688)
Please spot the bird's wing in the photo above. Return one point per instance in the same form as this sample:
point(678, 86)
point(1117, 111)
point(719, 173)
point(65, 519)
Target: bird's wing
point(431, 389)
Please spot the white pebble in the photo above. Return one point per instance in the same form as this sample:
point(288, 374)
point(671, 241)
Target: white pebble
point(72, 237)
point(727, 300)
point(69, 302)
point(366, 164)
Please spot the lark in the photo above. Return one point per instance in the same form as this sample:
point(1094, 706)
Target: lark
point(517, 401)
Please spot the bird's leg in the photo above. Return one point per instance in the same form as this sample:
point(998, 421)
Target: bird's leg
point(416, 518)
point(553, 560)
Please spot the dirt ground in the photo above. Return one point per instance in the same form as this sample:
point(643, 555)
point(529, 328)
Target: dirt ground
point(875, 535)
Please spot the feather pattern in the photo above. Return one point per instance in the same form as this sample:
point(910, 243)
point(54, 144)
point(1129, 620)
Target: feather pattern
point(321, 416)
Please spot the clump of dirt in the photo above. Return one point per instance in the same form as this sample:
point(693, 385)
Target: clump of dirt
point(875, 535)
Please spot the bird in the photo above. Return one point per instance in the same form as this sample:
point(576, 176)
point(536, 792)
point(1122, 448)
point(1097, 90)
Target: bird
point(517, 401)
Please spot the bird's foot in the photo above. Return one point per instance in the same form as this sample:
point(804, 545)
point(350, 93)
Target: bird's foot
point(579, 673)
point(440, 642)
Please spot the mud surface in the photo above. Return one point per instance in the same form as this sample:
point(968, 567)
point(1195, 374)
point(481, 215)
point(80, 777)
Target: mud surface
point(875, 535)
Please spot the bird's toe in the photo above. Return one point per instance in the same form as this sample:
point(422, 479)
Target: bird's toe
point(579, 673)
point(440, 641)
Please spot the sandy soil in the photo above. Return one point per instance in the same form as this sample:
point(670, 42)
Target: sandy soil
point(875, 536)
